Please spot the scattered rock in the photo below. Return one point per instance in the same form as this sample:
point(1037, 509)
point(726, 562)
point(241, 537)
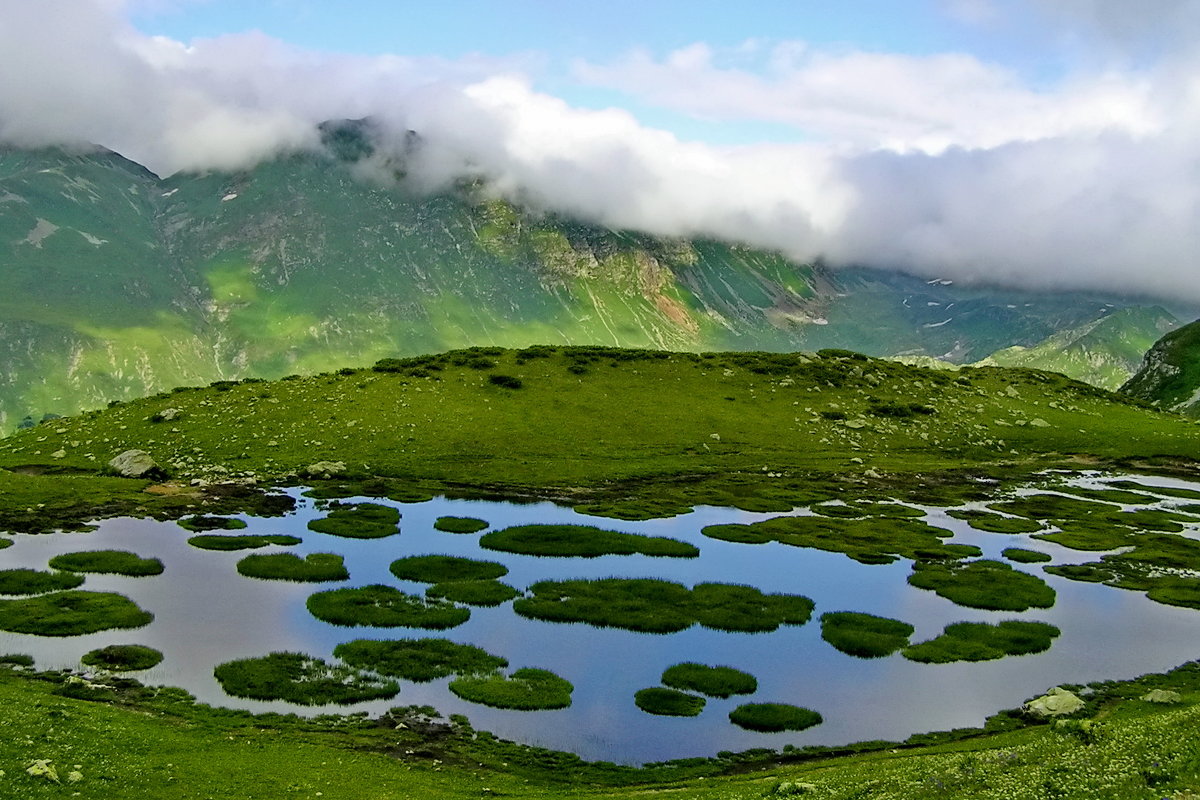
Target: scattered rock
point(1164, 696)
point(1054, 703)
point(134, 464)
point(59, 454)
point(1038, 422)
point(42, 768)
point(325, 469)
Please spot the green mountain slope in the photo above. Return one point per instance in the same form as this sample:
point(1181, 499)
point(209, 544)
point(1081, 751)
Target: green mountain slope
point(1104, 352)
point(1169, 376)
point(119, 284)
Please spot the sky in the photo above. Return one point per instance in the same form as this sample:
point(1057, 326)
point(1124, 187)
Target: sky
point(1040, 143)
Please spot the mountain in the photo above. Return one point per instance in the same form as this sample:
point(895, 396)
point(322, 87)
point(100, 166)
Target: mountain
point(1104, 352)
point(120, 284)
point(1169, 376)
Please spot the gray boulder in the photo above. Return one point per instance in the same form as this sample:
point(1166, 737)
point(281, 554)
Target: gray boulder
point(134, 464)
point(1054, 703)
point(325, 469)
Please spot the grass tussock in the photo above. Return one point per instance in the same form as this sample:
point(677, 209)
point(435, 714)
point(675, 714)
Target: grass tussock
point(301, 679)
point(71, 613)
point(35, 581)
point(712, 681)
point(248, 542)
point(315, 567)
point(446, 569)
point(199, 523)
point(983, 584)
point(474, 593)
point(864, 635)
point(384, 607)
point(526, 689)
point(980, 641)
point(418, 660)
point(113, 562)
point(358, 521)
point(582, 541)
point(774, 717)
point(460, 524)
point(668, 702)
point(123, 657)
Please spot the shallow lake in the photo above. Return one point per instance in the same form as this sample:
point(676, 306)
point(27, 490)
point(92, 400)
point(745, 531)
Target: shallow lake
point(206, 613)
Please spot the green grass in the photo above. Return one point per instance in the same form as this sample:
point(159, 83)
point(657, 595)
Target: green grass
point(980, 641)
point(668, 702)
point(1052, 507)
point(118, 562)
point(474, 593)
point(446, 569)
point(995, 523)
point(864, 635)
point(384, 607)
point(1114, 495)
point(740, 534)
point(314, 567)
point(711, 681)
point(202, 522)
point(1162, 491)
point(16, 660)
point(34, 581)
point(1024, 556)
point(774, 717)
point(983, 584)
point(460, 524)
point(418, 660)
point(248, 542)
point(301, 679)
point(657, 606)
point(582, 541)
point(71, 613)
point(1161, 564)
point(526, 689)
point(123, 657)
point(361, 521)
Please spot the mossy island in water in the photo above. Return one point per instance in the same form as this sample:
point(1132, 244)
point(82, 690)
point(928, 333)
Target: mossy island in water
point(864, 635)
point(240, 542)
point(301, 679)
point(358, 521)
point(71, 613)
point(668, 702)
point(35, 581)
point(114, 562)
point(445, 569)
point(651, 605)
point(527, 689)
point(315, 567)
point(582, 541)
point(418, 660)
point(711, 681)
point(980, 641)
point(123, 657)
point(983, 584)
point(201, 523)
point(1024, 556)
point(474, 593)
point(774, 717)
point(995, 523)
point(459, 524)
point(382, 606)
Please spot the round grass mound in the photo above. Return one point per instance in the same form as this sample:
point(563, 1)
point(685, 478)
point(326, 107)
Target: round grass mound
point(995, 523)
point(114, 562)
point(446, 569)
point(864, 635)
point(526, 689)
point(301, 679)
point(983, 584)
point(418, 660)
point(358, 521)
point(473, 593)
point(384, 607)
point(657, 606)
point(774, 717)
point(315, 567)
point(460, 524)
point(201, 522)
point(980, 641)
point(123, 657)
point(740, 534)
point(582, 541)
point(1023, 556)
point(246, 542)
point(36, 581)
point(711, 681)
point(668, 702)
point(71, 613)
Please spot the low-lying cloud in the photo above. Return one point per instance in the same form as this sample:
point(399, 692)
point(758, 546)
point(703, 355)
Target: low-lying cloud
point(944, 166)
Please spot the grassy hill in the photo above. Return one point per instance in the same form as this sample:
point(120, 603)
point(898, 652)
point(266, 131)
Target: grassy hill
point(1169, 376)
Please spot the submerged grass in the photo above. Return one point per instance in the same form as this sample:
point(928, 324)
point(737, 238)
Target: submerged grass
point(864, 635)
point(668, 702)
point(418, 660)
point(983, 584)
point(384, 607)
point(582, 541)
point(71, 613)
point(35, 581)
point(446, 569)
point(301, 679)
point(314, 567)
point(526, 689)
point(123, 657)
point(712, 681)
point(117, 562)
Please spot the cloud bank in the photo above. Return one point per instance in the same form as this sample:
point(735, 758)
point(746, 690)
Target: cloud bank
point(941, 165)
